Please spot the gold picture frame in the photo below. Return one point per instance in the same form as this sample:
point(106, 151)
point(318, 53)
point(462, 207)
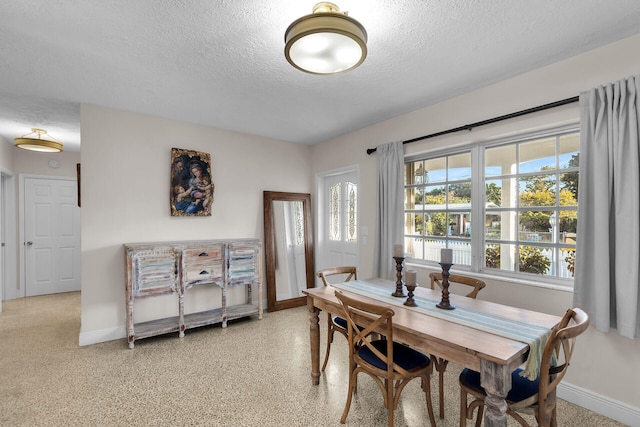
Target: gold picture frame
point(191, 190)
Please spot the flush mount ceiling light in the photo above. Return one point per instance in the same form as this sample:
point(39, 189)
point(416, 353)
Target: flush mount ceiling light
point(37, 143)
point(325, 42)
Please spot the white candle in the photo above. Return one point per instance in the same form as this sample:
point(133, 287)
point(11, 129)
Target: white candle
point(446, 256)
point(398, 251)
point(410, 277)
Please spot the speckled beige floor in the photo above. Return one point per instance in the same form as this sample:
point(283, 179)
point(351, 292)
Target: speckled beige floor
point(253, 373)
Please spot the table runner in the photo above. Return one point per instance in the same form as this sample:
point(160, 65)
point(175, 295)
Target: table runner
point(535, 336)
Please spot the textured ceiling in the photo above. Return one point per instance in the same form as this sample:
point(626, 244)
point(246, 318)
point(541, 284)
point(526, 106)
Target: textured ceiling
point(220, 63)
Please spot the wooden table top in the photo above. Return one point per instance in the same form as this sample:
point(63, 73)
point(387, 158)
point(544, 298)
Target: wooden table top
point(460, 344)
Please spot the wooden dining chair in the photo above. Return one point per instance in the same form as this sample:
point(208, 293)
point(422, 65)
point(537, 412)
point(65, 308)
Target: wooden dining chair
point(537, 397)
point(391, 365)
point(336, 323)
point(454, 279)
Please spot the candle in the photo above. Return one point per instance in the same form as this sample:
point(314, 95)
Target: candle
point(446, 256)
point(398, 251)
point(410, 277)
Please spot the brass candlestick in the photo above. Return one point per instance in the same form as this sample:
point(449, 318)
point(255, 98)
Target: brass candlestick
point(410, 301)
point(398, 292)
point(444, 303)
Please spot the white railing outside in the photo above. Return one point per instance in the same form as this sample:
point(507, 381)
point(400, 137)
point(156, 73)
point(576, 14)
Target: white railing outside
point(462, 255)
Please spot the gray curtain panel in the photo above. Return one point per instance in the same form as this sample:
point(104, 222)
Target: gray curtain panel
point(607, 270)
point(390, 207)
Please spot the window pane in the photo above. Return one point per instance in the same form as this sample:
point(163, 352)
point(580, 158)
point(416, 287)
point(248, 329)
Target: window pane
point(435, 224)
point(537, 190)
point(414, 223)
point(414, 247)
point(460, 167)
point(492, 225)
point(499, 256)
point(414, 173)
point(493, 193)
point(567, 263)
point(534, 226)
point(352, 217)
point(567, 226)
point(461, 253)
point(435, 197)
point(412, 197)
point(460, 194)
point(537, 155)
point(535, 259)
point(500, 193)
point(569, 151)
point(432, 249)
point(334, 212)
point(500, 225)
point(569, 189)
point(500, 160)
point(460, 224)
point(435, 170)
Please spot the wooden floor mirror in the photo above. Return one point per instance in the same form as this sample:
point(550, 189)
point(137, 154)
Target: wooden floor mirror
point(288, 241)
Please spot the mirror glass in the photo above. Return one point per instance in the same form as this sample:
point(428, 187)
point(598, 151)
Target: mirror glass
point(288, 248)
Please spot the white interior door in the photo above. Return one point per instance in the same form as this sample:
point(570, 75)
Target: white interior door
point(338, 219)
point(52, 236)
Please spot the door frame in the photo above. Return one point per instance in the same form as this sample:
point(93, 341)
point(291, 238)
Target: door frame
point(8, 273)
point(320, 201)
point(21, 225)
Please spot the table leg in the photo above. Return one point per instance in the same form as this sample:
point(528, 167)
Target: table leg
point(314, 328)
point(496, 381)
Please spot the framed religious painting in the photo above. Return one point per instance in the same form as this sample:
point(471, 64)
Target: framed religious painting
point(191, 192)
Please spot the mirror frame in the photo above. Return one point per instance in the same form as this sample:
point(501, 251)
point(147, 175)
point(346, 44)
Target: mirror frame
point(269, 245)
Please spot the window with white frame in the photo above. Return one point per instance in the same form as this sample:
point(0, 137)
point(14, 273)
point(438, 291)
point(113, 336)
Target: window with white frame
point(438, 207)
point(508, 207)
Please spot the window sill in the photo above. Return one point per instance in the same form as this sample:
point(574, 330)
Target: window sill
point(499, 278)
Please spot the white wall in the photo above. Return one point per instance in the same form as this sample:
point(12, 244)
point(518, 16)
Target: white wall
point(36, 163)
point(125, 198)
point(6, 155)
point(605, 364)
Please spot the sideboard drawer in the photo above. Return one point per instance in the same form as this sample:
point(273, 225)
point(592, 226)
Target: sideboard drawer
point(203, 265)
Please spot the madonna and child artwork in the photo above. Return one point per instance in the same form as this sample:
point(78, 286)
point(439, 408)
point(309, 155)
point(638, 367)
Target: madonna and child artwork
point(191, 185)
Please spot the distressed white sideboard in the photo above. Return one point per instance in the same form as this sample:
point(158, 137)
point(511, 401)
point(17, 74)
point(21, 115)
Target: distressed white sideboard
point(164, 268)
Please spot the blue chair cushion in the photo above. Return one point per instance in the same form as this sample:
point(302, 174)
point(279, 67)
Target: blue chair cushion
point(521, 388)
point(340, 322)
point(405, 357)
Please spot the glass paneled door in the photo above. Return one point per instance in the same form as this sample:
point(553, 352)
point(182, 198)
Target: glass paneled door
point(338, 219)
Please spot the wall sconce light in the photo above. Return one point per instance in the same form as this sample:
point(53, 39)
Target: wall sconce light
point(325, 42)
point(37, 143)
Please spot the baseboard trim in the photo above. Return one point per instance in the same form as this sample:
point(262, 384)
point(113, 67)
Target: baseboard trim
point(616, 410)
point(101, 335)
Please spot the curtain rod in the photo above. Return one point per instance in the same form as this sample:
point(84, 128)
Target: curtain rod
point(489, 121)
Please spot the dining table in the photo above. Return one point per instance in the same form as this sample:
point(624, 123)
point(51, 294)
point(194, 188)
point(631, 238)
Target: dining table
point(455, 335)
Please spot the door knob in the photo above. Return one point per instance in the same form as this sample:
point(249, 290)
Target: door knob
point(29, 243)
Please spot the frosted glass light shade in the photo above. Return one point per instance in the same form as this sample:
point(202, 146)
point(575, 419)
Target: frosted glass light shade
point(325, 42)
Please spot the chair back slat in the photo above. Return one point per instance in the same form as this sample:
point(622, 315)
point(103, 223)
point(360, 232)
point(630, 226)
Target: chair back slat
point(351, 272)
point(476, 284)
